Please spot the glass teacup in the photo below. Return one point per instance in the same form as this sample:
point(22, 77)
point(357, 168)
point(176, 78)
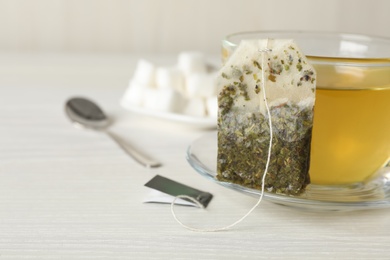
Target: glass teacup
point(351, 133)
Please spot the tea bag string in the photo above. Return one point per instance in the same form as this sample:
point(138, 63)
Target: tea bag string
point(264, 51)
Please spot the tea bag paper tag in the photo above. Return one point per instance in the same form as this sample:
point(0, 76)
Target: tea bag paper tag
point(169, 189)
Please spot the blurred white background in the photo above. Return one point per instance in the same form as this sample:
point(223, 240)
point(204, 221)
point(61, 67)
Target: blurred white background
point(171, 26)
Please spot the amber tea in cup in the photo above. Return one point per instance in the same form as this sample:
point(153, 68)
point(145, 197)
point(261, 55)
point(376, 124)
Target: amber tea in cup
point(351, 132)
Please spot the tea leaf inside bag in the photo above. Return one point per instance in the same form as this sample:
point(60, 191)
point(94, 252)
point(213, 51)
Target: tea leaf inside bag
point(243, 130)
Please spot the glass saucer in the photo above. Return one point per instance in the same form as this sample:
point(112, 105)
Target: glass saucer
point(373, 194)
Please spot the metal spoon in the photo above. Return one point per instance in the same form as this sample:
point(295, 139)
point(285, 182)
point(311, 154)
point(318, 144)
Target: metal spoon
point(85, 113)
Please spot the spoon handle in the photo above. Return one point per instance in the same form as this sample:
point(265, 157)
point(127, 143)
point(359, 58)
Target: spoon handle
point(139, 157)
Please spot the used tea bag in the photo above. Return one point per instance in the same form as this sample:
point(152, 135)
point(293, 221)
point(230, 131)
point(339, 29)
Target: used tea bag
point(243, 129)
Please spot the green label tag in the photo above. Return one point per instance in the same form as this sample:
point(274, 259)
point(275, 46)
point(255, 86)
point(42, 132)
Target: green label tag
point(174, 188)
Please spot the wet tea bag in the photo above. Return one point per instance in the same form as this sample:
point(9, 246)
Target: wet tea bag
point(266, 94)
point(279, 68)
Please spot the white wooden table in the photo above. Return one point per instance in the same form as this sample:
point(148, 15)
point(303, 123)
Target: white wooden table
point(73, 194)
